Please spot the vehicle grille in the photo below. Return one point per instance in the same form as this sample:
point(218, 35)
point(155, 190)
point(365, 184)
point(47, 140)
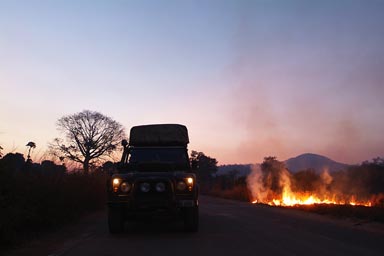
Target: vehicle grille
point(153, 198)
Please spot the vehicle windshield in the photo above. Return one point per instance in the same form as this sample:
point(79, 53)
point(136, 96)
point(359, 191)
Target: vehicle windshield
point(176, 157)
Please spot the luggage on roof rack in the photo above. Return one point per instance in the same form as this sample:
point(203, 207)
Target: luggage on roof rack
point(159, 135)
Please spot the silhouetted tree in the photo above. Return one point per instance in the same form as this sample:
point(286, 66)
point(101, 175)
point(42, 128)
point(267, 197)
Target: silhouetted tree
point(206, 169)
point(306, 180)
point(50, 168)
point(378, 161)
point(13, 161)
point(369, 175)
point(273, 171)
point(89, 135)
point(31, 145)
point(1, 153)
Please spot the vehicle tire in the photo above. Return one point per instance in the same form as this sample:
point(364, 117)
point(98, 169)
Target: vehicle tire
point(115, 220)
point(191, 219)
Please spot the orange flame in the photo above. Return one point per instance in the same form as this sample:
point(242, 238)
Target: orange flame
point(263, 194)
point(293, 199)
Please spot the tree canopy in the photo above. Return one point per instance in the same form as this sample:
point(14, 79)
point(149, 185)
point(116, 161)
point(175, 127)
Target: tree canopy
point(88, 136)
point(206, 169)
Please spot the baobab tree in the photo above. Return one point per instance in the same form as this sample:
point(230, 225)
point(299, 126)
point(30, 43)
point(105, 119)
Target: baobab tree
point(88, 136)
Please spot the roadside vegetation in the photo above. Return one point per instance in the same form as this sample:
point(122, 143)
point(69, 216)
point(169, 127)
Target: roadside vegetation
point(229, 186)
point(38, 197)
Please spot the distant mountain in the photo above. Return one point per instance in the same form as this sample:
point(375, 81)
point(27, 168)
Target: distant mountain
point(315, 162)
point(242, 169)
point(305, 161)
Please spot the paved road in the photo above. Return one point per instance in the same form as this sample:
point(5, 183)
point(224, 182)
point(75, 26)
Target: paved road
point(226, 228)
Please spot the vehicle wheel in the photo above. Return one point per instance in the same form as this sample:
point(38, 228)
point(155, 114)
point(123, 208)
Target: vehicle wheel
point(115, 220)
point(191, 219)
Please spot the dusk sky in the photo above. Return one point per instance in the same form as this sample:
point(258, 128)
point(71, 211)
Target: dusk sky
point(248, 78)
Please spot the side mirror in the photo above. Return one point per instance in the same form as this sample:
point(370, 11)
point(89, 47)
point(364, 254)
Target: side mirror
point(124, 157)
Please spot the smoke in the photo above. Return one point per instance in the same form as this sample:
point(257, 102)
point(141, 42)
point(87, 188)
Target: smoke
point(266, 186)
point(255, 184)
point(326, 177)
point(308, 84)
point(272, 183)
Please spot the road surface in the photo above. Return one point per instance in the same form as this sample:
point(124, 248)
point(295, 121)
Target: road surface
point(226, 228)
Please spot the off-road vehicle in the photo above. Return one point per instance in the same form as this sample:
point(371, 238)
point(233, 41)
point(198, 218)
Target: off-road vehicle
point(154, 178)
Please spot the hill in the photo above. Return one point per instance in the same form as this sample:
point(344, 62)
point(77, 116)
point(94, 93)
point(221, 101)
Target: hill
point(294, 164)
point(315, 162)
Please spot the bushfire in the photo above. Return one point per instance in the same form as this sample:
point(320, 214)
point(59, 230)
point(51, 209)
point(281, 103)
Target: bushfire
point(271, 183)
point(292, 199)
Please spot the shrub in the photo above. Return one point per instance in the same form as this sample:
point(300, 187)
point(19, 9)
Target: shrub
point(239, 192)
point(37, 197)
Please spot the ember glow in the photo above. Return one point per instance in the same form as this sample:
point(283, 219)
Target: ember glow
point(279, 188)
point(292, 199)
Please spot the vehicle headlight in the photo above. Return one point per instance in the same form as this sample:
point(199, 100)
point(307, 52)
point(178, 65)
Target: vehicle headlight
point(116, 184)
point(125, 187)
point(190, 181)
point(181, 185)
point(145, 187)
point(160, 187)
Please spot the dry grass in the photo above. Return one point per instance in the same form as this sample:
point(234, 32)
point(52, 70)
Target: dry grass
point(239, 193)
point(346, 211)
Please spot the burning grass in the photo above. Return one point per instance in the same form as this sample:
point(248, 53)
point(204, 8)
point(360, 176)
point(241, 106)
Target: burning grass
point(355, 193)
point(273, 184)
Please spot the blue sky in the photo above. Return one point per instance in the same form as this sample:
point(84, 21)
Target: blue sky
point(249, 78)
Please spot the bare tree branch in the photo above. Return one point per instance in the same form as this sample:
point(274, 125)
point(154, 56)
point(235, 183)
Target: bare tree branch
point(89, 135)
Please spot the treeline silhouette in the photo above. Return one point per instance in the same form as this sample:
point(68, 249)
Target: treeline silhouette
point(38, 197)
